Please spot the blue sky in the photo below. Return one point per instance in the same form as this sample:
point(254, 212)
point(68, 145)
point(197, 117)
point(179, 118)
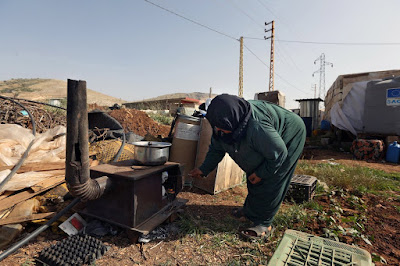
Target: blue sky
point(134, 50)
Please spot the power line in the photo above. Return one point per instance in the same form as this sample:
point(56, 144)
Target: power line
point(224, 34)
point(340, 43)
point(285, 53)
point(276, 17)
point(245, 13)
point(269, 10)
point(254, 38)
point(195, 22)
point(275, 71)
point(327, 43)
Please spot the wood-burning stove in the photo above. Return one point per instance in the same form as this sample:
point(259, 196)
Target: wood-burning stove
point(136, 199)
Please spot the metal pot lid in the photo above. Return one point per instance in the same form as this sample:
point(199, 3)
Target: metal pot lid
point(152, 144)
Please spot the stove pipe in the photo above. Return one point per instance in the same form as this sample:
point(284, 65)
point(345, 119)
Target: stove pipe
point(77, 172)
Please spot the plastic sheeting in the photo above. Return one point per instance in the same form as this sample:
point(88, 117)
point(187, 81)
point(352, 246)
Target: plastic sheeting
point(350, 113)
point(14, 140)
point(24, 180)
point(47, 147)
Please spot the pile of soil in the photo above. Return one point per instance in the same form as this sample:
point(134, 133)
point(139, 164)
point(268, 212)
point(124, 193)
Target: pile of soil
point(95, 106)
point(139, 123)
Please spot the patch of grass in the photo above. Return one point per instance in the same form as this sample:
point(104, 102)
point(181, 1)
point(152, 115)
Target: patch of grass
point(357, 178)
point(393, 176)
point(397, 208)
point(55, 110)
point(190, 226)
point(251, 255)
point(17, 86)
point(313, 205)
point(28, 262)
point(288, 217)
point(16, 90)
point(220, 240)
point(164, 119)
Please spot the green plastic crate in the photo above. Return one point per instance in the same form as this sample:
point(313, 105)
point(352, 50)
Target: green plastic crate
point(298, 248)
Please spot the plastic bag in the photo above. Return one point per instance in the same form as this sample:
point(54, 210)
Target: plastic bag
point(15, 139)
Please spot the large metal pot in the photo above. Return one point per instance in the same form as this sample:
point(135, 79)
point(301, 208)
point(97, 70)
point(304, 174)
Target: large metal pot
point(151, 152)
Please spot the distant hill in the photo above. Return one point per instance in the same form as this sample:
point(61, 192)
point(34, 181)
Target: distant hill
point(45, 89)
point(194, 95)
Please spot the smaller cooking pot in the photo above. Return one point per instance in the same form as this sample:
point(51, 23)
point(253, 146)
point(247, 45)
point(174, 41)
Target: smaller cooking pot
point(151, 152)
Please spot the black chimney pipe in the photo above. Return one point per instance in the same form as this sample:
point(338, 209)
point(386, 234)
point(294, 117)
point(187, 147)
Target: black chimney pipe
point(77, 172)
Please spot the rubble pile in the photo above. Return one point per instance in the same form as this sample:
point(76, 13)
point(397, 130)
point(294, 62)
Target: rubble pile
point(45, 117)
point(139, 123)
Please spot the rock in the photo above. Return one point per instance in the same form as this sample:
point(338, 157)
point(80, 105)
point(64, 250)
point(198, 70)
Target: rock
point(11, 231)
point(324, 186)
point(8, 233)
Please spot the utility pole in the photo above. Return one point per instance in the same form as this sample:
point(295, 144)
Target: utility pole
point(271, 64)
point(210, 94)
point(314, 88)
point(241, 69)
point(321, 71)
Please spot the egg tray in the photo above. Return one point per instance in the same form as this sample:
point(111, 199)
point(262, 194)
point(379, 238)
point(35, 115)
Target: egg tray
point(74, 250)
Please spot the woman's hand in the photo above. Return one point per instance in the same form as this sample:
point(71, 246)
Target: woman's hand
point(254, 179)
point(196, 173)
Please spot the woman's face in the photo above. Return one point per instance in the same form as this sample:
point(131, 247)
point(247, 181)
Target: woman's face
point(223, 134)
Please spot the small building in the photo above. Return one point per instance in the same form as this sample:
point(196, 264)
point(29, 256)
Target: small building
point(309, 111)
point(55, 101)
point(275, 97)
point(164, 104)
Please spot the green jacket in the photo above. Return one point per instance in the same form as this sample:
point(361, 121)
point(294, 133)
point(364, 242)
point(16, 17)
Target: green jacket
point(263, 150)
point(272, 145)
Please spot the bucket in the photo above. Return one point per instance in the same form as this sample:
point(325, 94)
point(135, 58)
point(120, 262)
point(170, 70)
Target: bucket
point(325, 125)
point(393, 153)
point(184, 144)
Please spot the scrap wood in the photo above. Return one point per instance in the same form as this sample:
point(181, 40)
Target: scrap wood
point(58, 175)
point(6, 194)
point(36, 167)
point(5, 213)
point(28, 179)
point(17, 198)
point(21, 219)
point(45, 119)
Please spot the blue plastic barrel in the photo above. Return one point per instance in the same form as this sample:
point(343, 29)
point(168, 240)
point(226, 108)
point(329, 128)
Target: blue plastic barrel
point(325, 125)
point(393, 153)
point(308, 122)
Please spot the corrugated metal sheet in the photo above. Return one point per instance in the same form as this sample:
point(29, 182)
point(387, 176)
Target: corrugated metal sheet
point(310, 108)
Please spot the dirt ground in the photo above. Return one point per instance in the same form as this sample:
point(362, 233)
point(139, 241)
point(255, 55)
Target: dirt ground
point(139, 123)
point(222, 245)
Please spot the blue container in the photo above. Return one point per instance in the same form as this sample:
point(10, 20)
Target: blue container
point(393, 153)
point(325, 125)
point(308, 122)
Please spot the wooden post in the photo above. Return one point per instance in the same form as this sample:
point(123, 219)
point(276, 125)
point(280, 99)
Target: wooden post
point(77, 134)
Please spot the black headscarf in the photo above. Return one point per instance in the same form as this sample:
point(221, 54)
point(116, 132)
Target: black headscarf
point(231, 113)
